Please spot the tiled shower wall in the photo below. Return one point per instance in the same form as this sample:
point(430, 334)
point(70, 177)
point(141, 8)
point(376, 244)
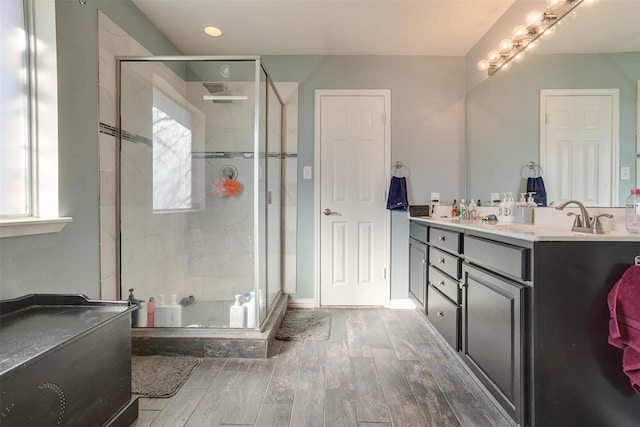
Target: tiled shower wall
point(165, 244)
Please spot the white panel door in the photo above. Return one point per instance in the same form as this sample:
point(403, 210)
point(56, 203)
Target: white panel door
point(578, 154)
point(352, 200)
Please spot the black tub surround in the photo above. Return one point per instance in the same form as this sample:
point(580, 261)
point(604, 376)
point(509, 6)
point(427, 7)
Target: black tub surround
point(66, 360)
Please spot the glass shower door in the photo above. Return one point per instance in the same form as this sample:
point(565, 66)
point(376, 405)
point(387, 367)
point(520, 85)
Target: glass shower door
point(200, 183)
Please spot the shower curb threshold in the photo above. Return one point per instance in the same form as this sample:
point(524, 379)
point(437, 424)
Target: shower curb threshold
point(210, 342)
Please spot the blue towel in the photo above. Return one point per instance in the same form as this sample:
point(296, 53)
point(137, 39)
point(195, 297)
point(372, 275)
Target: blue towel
point(397, 199)
point(537, 185)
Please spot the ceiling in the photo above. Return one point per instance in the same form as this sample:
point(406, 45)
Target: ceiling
point(325, 27)
point(373, 27)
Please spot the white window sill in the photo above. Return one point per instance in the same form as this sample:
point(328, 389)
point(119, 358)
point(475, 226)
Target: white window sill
point(30, 226)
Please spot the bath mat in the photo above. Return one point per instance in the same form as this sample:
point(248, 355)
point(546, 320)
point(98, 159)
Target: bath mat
point(160, 376)
point(303, 324)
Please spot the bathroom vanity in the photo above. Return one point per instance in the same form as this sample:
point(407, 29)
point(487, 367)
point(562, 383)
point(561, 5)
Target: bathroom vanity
point(66, 361)
point(525, 310)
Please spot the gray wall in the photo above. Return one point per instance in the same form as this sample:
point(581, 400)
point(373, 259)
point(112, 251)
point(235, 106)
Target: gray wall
point(68, 262)
point(427, 101)
point(427, 135)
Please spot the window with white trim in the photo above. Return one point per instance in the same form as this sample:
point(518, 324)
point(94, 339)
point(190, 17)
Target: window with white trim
point(28, 119)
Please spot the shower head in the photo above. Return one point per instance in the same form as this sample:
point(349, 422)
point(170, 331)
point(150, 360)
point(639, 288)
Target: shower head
point(220, 93)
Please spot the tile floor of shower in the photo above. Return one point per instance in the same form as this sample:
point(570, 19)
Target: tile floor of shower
point(379, 367)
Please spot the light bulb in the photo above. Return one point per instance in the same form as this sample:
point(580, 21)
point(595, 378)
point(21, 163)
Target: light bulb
point(519, 32)
point(531, 46)
point(505, 45)
point(534, 19)
point(506, 66)
point(213, 31)
point(519, 57)
point(493, 56)
point(483, 65)
point(548, 32)
point(554, 3)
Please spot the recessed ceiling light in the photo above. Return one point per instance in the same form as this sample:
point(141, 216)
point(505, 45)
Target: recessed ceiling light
point(213, 31)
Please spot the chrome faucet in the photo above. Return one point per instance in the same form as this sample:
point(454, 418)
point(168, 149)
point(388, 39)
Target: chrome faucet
point(583, 223)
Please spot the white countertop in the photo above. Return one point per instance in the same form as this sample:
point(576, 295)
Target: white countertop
point(531, 232)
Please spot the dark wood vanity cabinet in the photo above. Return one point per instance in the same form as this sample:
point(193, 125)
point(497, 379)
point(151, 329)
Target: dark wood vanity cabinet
point(529, 318)
point(418, 256)
point(495, 323)
point(443, 290)
point(493, 335)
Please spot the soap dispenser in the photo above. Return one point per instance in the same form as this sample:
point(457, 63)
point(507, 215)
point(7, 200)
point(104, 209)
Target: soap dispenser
point(237, 314)
point(173, 313)
point(506, 208)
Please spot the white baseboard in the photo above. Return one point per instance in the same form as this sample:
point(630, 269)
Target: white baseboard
point(396, 304)
point(302, 303)
point(402, 304)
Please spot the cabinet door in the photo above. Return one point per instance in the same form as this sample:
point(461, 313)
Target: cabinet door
point(417, 270)
point(493, 344)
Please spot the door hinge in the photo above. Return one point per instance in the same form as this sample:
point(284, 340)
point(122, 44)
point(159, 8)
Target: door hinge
point(385, 273)
point(384, 118)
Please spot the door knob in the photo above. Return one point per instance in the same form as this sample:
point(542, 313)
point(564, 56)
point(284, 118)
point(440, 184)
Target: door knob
point(330, 212)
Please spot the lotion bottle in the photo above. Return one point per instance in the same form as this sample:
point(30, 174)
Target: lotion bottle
point(250, 304)
point(237, 314)
point(173, 313)
point(508, 209)
point(151, 308)
point(159, 313)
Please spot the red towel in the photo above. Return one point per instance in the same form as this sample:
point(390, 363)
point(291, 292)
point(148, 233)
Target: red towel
point(624, 322)
point(631, 367)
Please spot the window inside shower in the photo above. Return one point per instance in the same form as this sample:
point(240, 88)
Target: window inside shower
point(200, 182)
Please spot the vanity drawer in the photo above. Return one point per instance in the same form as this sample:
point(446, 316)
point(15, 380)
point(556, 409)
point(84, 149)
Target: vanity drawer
point(501, 257)
point(444, 284)
point(445, 262)
point(445, 239)
point(444, 316)
point(418, 231)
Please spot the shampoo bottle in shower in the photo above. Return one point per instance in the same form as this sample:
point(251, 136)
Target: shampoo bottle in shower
point(250, 304)
point(151, 308)
point(159, 313)
point(237, 314)
point(173, 313)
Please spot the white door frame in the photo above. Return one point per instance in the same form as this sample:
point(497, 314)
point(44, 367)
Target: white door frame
point(319, 93)
point(615, 125)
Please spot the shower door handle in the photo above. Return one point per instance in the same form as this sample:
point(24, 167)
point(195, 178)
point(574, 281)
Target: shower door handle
point(330, 212)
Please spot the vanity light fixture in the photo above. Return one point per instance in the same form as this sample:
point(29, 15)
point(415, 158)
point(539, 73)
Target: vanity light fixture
point(525, 37)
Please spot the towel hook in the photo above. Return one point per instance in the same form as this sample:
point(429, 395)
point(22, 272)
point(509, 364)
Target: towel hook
point(399, 165)
point(532, 172)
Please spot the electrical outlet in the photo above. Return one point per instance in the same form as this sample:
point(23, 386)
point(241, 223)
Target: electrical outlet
point(435, 199)
point(307, 172)
point(625, 173)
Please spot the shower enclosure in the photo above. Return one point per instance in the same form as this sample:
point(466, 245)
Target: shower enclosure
point(199, 191)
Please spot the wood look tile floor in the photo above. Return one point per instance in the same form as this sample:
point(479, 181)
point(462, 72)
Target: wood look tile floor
point(380, 367)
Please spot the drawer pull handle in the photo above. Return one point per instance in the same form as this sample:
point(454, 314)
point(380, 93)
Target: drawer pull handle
point(441, 282)
point(441, 238)
point(441, 260)
point(439, 313)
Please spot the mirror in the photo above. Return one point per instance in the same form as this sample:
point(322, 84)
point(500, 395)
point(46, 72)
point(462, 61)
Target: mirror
point(503, 111)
